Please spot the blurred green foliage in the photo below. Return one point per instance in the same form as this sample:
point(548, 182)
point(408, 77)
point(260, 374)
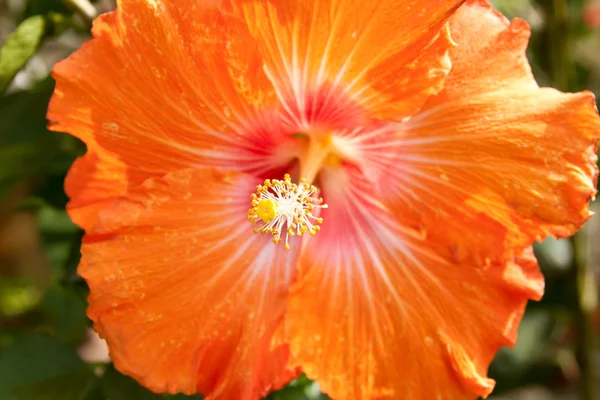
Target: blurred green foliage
point(44, 332)
point(20, 46)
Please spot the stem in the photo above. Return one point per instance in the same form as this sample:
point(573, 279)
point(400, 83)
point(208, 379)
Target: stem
point(587, 301)
point(82, 7)
point(584, 279)
point(559, 63)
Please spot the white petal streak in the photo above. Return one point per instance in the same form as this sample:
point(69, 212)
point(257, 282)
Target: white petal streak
point(374, 245)
point(408, 178)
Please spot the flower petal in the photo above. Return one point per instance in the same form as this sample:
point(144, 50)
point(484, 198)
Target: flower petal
point(186, 296)
point(492, 154)
point(388, 56)
point(160, 91)
point(94, 182)
point(490, 54)
point(379, 312)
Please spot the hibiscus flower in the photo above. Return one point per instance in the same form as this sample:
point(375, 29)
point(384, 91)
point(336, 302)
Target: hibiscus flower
point(431, 162)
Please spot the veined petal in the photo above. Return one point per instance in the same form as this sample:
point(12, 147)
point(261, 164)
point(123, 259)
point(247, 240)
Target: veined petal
point(380, 313)
point(387, 56)
point(187, 298)
point(492, 154)
point(158, 91)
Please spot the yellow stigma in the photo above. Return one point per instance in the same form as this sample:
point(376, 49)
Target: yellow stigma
point(266, 210)
point(285, 207)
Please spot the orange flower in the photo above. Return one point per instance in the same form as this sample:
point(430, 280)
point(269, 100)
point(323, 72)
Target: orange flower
point(418, 122)
point(591, 15)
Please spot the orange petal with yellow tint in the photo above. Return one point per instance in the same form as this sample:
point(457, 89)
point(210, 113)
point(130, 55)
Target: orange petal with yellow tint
point(490, 55)
point(158, 91)
point(388, 56)
point(492, 154)
point(380, 313)
point(94, 182)
point(187, 298)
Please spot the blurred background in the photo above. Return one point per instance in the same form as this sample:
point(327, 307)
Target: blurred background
point(47, 349)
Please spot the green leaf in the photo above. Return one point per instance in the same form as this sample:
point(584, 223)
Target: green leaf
point(46, 6)
point(51, 192)
point(10, 335)
point(288, 393)
point(22, 161)
point(31, 204)
point(62, 241)
point(27, 148)
point(300, 388)
point(56, 222)
point(23, 114)
point(75, 385)
point(57, 23)
point(17, 296)
point(65, 311)
point(20, 46)
point(117, 386)
point(39, 367)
